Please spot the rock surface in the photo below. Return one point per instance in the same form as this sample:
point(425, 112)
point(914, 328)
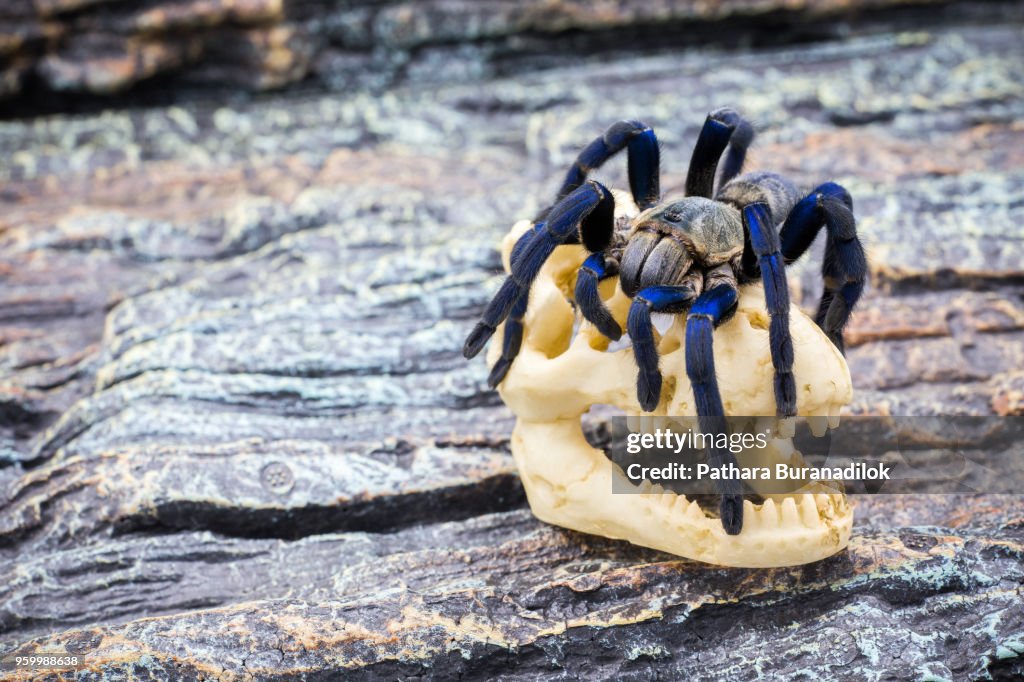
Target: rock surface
point(60, 53)
point(239, 439)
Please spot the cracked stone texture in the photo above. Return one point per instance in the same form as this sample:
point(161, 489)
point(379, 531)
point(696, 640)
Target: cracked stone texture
point(52, 49)
point(238, 438)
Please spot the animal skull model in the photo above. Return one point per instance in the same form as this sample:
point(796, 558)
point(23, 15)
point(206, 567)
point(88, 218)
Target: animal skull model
point(560, 374)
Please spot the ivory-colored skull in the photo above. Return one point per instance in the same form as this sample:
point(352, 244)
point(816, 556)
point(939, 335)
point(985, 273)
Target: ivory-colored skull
point(560, 374)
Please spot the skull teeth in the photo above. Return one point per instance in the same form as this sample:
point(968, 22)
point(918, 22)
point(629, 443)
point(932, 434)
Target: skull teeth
point(808, 510)
point(790, 516)
point(818, 426)
point(751, 518)
point(818, 423)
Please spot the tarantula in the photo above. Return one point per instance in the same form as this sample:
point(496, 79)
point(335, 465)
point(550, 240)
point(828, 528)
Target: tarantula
point(687, 256)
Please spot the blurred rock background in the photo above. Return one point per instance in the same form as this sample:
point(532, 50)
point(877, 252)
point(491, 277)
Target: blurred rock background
point(241, 243)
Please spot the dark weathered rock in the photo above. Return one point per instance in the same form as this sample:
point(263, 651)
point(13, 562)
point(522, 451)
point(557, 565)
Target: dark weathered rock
point(239, 438)
point(541, 599)
point(102, 47)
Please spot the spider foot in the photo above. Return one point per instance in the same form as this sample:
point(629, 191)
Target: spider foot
point(498, 372)
point(730, 511)
point(476, 340)
point(648, 389)
point(593, 270)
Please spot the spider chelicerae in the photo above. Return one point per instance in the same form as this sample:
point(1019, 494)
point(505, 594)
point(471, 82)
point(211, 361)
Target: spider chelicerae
point(687, 256)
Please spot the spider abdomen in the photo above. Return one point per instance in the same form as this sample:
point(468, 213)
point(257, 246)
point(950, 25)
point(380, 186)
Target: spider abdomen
point(765, 187)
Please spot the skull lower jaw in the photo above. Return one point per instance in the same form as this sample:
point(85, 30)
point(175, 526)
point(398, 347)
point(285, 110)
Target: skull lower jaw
point(573, 487)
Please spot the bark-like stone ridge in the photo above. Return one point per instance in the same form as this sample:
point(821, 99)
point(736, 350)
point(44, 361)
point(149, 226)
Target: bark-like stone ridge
point(239, 440)
point(57, 52)
point(536, 599)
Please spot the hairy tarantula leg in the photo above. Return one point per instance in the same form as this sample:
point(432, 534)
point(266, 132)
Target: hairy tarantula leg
point(709, 310)
point(588, 298)
point(758, 221)
point(588, 212)
point(643, 161)
point(511, 342)
point(845, 267)
point(723, 128)
point(521, 243)
point(654, 299)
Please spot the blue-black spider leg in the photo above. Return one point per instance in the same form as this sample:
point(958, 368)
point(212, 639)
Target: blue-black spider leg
point(758, 222)
point(653, 299)
point(511, 340)
point(587, 212)
point(710, 309)
point(595, 269)
point(845, 267)
point(722, 128)
point(643, 161)
point(643, 166)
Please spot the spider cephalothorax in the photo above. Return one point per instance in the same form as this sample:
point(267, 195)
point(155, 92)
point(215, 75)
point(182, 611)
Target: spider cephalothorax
point(687, 256)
